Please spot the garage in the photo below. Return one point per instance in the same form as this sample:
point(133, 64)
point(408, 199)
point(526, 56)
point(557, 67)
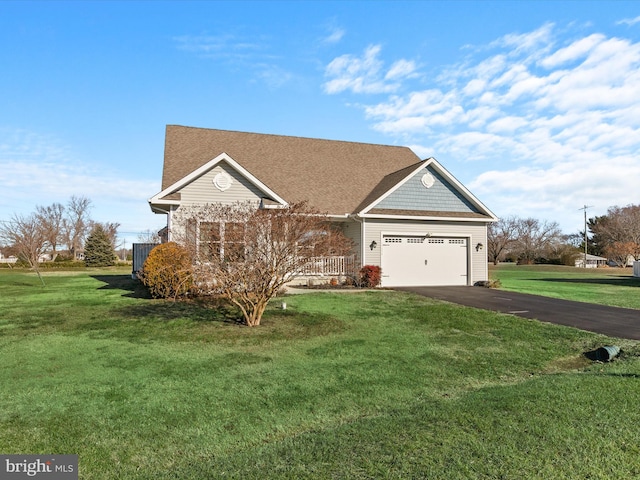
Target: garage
point(424, 261)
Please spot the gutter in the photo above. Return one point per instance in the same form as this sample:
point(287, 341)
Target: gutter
point(155, 209)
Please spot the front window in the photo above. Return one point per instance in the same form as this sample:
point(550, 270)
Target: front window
point(234, 242)
point(221, 240)
point(210, 240)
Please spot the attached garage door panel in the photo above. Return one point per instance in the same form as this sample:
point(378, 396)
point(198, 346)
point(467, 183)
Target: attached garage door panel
point(419, 261)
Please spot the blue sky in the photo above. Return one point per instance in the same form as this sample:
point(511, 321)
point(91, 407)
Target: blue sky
point(534, 106)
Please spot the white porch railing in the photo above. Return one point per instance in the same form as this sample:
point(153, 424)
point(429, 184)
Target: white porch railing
point(325, 266)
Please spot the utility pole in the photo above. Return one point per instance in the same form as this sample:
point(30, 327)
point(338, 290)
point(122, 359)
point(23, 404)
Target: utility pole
point(585, 232)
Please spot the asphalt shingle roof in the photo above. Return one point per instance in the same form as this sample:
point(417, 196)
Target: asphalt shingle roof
point(336, 177)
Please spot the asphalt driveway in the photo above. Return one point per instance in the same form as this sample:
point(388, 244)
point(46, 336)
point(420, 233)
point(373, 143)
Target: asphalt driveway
point(612, 321)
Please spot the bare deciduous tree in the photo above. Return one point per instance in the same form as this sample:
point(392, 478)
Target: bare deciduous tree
point(619, 252)
point(500, 236)
point(246, 255)
point(26, 235)
point(536, 239)
point(149, 236)
point(77, 223)
point(51, 220)
point(563, 250)
point(618, 231)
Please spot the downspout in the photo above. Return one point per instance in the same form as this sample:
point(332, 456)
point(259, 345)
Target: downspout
point(169, 217)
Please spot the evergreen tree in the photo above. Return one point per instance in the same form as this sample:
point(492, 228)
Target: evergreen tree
point(98, 251)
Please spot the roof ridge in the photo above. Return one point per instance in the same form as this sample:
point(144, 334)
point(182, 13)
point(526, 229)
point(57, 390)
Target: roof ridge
point(291, 136)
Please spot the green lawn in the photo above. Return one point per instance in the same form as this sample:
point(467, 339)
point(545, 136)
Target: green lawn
point(364, 385)
point(606, 286)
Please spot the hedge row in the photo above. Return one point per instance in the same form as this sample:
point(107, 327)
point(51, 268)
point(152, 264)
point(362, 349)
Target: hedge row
point(65, 265)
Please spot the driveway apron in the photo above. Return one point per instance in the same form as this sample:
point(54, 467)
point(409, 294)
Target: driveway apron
point(612, 321)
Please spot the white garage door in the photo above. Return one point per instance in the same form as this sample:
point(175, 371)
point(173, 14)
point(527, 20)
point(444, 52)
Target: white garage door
point(419, 261)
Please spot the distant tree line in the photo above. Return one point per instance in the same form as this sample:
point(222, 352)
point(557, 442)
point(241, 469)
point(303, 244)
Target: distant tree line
point(528, 240)
point(61, 231)
point(615, 236)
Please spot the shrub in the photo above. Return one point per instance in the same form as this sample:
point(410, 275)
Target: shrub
point(370, 276)
point(167, 272)
point(22, 262)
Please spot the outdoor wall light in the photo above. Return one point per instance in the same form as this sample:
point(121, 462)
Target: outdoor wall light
point(373, 245)
point(479, 247)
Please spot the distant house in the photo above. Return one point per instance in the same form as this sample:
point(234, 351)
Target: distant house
point(409, 216)
point(9, 259)
point(593, 261)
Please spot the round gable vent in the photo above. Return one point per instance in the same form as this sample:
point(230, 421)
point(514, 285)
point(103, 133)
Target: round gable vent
point(222, 181)
point(428, 180)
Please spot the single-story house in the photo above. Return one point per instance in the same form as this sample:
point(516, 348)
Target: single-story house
point(9, 259)
point(407, 215)
point(593, 261)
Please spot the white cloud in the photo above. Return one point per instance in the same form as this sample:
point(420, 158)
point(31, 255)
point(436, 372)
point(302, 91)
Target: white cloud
point(534, 43)
point(366, 74)
point(474, 87)
point(41, 180)
point(335, 35)
point(546, 123)
point(400, 69)
point(40, 170)
point(629, 21)
point(273, 76)
point(576, 50)
point(558, 191)
point(237, 53)
point(506, 125)
point(219, 46)
point(489, 67)
point(432, 107)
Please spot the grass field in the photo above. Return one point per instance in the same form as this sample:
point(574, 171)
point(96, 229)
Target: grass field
point(607, 286)
point(346, 386)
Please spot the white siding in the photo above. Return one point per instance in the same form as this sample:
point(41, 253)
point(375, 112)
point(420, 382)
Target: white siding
point(202, 190)
point(475, 233)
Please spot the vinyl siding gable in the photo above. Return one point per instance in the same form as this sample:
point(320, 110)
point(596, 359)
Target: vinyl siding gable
point(439, 197)
point(203, 190)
